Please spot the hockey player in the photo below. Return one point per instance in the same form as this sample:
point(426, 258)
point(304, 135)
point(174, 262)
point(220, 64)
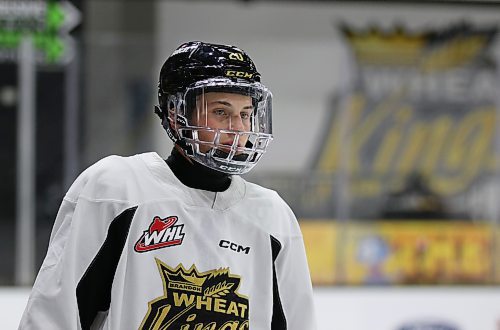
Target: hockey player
point(186, 243)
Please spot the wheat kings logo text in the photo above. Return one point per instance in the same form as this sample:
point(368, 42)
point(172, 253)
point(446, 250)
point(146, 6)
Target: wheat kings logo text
point(197, 301)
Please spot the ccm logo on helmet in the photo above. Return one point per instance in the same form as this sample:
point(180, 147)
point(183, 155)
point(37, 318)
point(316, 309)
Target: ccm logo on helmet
point(233, 246)
point(239, 74)
point(228, 168)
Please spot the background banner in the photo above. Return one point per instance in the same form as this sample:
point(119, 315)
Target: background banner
point(413, 135)
point(411, 252)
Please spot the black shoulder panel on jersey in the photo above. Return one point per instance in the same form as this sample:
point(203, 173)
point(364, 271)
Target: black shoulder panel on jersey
point(279, 321)
point(93, 292)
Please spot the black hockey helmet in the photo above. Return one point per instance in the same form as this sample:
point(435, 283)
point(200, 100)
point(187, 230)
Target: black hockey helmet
point(195, 60)
point(196, 68)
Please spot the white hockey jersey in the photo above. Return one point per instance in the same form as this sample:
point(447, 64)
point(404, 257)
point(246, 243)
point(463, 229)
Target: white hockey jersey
point(134, 248)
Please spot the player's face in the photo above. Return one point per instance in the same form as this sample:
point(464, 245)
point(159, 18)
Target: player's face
point(223, 111)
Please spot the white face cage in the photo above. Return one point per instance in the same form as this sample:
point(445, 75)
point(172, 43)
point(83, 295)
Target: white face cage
point(222, 124)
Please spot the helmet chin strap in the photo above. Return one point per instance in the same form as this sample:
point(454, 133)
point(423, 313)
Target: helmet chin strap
point(183, 153)
point(159, 112)
point(179, 144)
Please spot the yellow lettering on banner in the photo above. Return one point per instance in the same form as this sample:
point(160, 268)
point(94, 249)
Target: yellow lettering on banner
point(413, 148)
point(336, 143)
point(337, 138)
point(469, 151)
point(474, 262)
point(459, 150)
point(403, 259)
point(437, 258)
point(437, 139)
point(363, 133)
point(392, 140)
point(450, 150)
point(422, 144)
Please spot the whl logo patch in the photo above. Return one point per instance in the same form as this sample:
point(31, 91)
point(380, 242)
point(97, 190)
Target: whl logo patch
point(161, 233)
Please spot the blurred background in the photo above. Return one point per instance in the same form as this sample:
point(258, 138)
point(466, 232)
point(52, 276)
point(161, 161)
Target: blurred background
point(386, 124)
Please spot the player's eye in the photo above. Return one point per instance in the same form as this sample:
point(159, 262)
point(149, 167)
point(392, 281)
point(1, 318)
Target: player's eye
point(220, 112)
point(245, 115)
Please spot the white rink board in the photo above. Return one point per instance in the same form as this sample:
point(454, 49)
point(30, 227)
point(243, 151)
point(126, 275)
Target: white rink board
point(390, 308)
point(362, 308)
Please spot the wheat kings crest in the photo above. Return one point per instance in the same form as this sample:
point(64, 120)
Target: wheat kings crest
point(197, 301)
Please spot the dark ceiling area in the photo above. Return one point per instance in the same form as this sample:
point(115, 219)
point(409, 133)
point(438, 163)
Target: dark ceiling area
point(414, 2)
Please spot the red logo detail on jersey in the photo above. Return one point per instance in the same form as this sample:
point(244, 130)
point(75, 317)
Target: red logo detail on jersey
point(161, 233)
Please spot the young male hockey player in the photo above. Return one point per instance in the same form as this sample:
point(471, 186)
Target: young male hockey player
point(143, 243)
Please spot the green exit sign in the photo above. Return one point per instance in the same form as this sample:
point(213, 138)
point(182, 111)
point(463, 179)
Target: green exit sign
point(47, 23)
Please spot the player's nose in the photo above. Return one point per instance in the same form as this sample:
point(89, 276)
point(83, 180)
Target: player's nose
point(236, 123)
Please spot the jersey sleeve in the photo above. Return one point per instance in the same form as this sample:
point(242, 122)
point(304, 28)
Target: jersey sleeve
point(59, 298)
point(292, 293)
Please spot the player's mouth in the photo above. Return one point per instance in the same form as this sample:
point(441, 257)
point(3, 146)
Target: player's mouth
point(229, 144)
point(223, 153)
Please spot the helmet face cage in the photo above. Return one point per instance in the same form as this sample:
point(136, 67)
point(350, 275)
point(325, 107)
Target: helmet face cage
point(221, 123)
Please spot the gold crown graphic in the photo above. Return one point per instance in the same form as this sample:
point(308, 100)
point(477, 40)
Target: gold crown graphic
point(378, 47)
point(181, 275)
point(426, 50)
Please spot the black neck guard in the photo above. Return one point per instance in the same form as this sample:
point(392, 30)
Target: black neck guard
point(195, 175)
